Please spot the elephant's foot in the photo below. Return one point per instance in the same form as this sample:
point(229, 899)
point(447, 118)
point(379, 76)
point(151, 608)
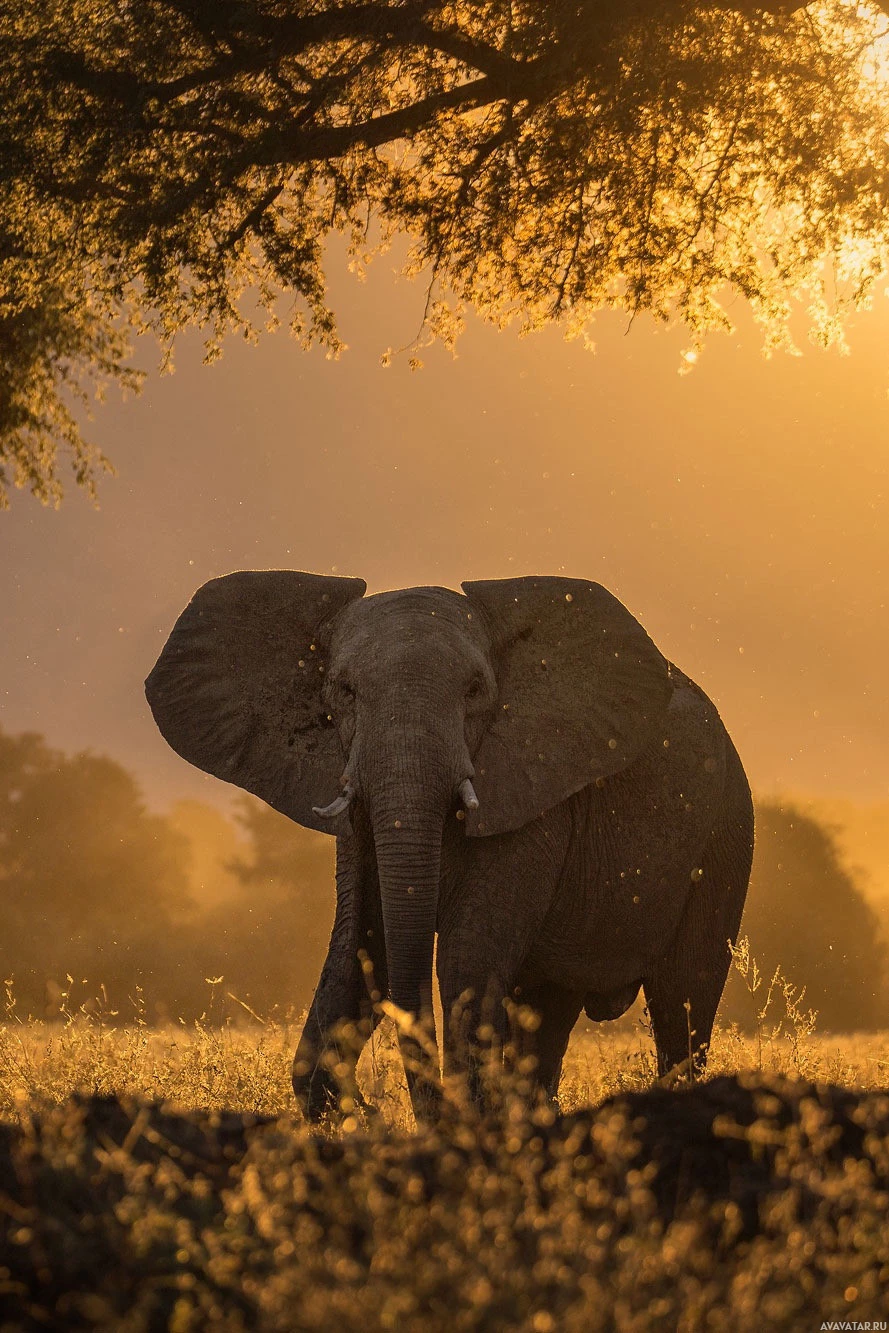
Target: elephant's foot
point(321, 1095)
point(317, 1092)
point(321, 1098)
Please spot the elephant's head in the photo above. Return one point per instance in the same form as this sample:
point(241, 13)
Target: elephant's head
point(301, 690)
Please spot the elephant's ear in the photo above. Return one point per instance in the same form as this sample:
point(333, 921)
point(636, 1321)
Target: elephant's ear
point(582, 690)
point(237, 689)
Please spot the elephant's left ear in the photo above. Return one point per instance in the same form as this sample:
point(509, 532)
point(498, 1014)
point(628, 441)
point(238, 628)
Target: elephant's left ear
point(582, 691)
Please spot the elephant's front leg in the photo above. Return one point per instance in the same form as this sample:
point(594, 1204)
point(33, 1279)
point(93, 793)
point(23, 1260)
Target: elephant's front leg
point(496, 895)
point(342, 1015)
point(476, 1021)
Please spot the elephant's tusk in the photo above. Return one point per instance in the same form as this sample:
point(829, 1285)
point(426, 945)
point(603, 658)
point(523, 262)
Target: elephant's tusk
point(338, 806)
point(467, 795)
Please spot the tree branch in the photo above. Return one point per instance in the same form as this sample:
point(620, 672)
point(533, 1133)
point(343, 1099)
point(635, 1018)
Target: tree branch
point(334, 140)
point(285, 39)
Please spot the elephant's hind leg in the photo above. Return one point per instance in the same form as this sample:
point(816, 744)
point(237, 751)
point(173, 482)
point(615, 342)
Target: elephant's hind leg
point(684, 987)
point(558, 1010)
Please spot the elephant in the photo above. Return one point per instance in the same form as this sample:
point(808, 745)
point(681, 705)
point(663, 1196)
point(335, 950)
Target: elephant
point(513, 771)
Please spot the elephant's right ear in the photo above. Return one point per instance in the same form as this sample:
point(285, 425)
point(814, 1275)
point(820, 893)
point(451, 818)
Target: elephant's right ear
point(237, 689)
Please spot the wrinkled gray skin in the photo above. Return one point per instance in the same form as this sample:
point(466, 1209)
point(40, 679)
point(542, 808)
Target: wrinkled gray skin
point(613, 839)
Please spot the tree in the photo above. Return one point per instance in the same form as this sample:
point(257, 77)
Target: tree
point(270, 942)
point(548, 158)
point(805, 913)
point(96, 892)
point(93, 884)
point(214, 846)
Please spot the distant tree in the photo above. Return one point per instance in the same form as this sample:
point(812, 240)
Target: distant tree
point(806, 913)
point(270, 942)
point(214, 843)
point(93, 884)
point(96, 888)
point(548, 158)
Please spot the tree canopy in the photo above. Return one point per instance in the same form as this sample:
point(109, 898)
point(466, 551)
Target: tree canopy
point(547, 159)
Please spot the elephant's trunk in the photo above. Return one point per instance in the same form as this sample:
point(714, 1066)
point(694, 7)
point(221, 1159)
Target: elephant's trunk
point(408, 852)
point(407, 789)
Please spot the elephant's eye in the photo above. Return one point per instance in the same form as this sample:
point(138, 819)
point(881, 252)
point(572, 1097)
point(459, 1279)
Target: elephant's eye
point(475, 688)
point(346, 690)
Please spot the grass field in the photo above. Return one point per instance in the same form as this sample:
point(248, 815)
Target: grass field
point(754, 1200)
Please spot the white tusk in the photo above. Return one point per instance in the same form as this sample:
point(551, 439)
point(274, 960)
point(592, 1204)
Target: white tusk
point(338, 806)
point(467, 795)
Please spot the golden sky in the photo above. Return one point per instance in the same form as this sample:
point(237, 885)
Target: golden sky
point(740, 511)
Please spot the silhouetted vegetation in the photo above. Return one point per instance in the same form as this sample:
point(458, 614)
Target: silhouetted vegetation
point(547, 159)
point(733, 1205)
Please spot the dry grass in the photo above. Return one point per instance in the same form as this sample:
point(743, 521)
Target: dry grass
point(245, 1067)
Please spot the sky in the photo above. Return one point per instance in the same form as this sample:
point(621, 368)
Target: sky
point(740, 512)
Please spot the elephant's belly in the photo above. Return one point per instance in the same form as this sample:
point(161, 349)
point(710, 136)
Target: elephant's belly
point(600, 1007)
point(601, 940)
point(605, 968)
point(630, 921)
